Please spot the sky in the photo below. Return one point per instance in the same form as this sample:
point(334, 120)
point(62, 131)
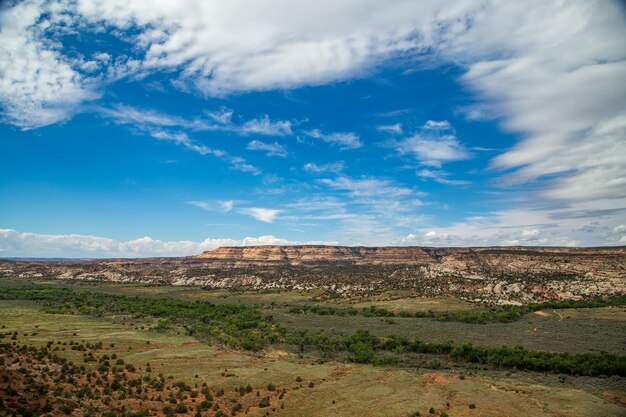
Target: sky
point(162, 128)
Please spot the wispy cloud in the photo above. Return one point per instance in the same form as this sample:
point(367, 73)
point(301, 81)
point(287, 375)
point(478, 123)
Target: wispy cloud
point(344, 140)
point(181, 138)
point(439, 176)
point(129, 115)
point(162, 126)
point(223, 116)
point(590, 223)
point(270, 149)
point(261, 214)
point(395, 129)
point(223, 206)
point(367, 187)
point(265, 126)
point(333, 167)
point(214, 121)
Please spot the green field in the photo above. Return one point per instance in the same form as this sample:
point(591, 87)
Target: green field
point(601, 329)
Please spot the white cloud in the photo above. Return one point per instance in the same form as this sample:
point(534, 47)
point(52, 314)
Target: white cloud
point(226, 205)
point(556, 79)
point(223, 116)
point(539, 226)
point(38, 85)
point(477, 112)
point(395, 129)
point(270, 149)
point(334, 167)
point(240, 164)
point(367, 187)
point(128, 115)
point(226, 47)
point(437, 125)
point(328, 204)
point(551, 72)
point(440, 177)
point(181, 138)
point(345, 140)
point(160, 126)
point(261, 214)
point(223, 206)
point(433, 145)
point(265, 126)
point(14, 243)
point(218, 121)
point(594, 164)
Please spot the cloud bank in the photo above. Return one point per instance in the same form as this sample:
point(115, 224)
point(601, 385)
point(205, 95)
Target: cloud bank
point(16, 244)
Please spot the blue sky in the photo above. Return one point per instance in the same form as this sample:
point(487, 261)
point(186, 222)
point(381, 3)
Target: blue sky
point(150, 130)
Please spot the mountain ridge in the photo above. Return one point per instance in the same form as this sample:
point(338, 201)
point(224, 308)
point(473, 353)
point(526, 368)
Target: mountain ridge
point(487, 274)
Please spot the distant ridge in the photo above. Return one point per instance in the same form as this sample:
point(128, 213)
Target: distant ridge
point(499, 275)
point(43, 259)
point(375, 255)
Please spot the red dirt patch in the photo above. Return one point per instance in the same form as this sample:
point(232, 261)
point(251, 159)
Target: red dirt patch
point(617, 398)
point(341, 371)
point(434, 378)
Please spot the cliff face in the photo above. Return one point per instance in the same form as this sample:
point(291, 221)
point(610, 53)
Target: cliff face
point(295, 255)
point(498, 275)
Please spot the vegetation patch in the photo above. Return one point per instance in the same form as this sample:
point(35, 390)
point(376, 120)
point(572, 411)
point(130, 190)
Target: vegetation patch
point(35, 381)
point(233, 325)
point(245, 327)
point(501, 315)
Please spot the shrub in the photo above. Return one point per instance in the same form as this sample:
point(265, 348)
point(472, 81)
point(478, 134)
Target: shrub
point(66, 408)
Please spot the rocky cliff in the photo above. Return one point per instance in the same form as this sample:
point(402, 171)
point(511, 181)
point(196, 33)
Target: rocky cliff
point(295, 255)
point(496, 275)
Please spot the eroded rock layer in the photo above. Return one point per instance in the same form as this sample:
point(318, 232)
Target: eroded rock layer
point(502, 275)
point(295, 255)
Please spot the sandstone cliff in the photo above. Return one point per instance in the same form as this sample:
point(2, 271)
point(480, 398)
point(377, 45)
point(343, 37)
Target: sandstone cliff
point(496, 275)
point(295, 255)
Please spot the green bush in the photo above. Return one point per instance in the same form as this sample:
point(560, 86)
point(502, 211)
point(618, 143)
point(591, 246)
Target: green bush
point(265, 402)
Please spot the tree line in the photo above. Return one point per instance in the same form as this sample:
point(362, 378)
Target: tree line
point(246, 327)
point(504, 314)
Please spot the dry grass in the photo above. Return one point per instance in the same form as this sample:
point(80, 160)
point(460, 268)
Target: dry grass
point(357, 390)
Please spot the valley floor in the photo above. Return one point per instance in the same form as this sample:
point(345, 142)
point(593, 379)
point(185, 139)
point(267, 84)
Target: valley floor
point(301, 383)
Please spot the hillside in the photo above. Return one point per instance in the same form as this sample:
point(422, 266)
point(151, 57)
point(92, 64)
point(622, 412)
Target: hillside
point(496, 275)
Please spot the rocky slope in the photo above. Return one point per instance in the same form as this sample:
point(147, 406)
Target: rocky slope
point(495, 275)
point(296, 255)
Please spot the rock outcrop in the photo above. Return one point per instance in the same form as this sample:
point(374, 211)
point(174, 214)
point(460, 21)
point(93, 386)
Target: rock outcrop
point(296, 255)
point(503, 275)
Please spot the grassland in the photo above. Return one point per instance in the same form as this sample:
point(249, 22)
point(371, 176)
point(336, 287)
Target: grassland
point(340, 388)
